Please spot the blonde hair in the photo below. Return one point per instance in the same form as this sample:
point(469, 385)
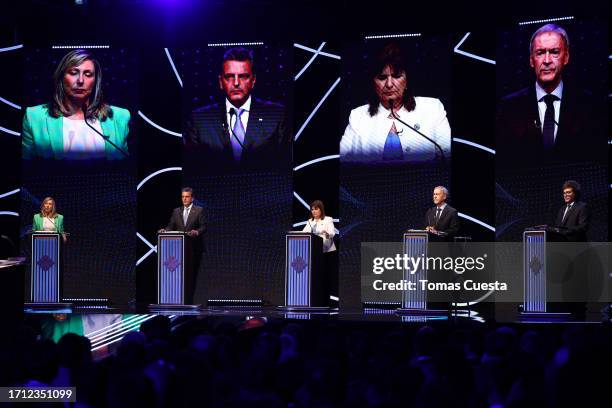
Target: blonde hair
point(53, 213)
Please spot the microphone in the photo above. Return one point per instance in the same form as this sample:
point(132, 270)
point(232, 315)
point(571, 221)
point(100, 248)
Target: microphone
point(416, 130)
point(106, 138)
point(232, 113)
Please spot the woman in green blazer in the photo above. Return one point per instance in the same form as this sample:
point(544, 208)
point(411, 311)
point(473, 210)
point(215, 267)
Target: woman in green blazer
point(57, 130)
point(48, 219)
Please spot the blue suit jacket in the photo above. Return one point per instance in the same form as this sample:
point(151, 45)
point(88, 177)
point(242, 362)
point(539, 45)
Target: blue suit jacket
point(43, 136)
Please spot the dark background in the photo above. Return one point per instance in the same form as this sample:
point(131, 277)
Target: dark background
point(147, 27)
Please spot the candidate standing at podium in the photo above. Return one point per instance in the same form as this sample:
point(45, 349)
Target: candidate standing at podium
point(442, 219)
point(189, 218)
point(574, 216)
point(48, 219)
point(323, 226)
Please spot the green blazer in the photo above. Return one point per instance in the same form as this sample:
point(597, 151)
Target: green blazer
point(37, 223)
point(43, 137)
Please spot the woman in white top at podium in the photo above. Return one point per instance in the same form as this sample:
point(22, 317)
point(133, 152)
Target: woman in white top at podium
point(321, 225)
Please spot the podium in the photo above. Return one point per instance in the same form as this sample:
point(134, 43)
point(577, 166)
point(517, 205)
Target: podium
point(46, 271)
point(304, 273)
point(534, 272)
point(174, 265)
point(414, 302)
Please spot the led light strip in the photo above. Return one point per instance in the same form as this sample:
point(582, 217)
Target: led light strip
point(548, 20)
point(376, 37)
point(97, 338)
point(119, 336)
point(66, 47)
point(124, 329)
point(108, 328)
point(233, 44)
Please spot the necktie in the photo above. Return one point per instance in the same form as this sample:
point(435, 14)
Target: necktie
point(239, 133)
point(567, 208)
point(393, 146)
point(548, 130)
point(438, 212)
point(185, 216)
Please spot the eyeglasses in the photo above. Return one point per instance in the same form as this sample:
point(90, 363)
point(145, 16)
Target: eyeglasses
point(568, 193)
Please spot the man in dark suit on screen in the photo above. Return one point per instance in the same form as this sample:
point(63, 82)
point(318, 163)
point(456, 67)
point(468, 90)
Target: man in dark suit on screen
point(550, 121)
point(442, 219)
point(189, 218)
point(574, 216)
point(242, 132)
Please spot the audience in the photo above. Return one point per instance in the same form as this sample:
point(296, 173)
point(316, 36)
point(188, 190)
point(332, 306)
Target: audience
point(277, 363)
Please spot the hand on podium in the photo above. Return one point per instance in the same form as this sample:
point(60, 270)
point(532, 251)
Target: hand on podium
point(64, 238)
point(193, 233)
point(159, 231)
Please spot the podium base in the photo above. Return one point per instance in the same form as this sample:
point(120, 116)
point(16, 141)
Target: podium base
point(546, 316)
point(173, 308)
point(402, 311)
point(50, 306)
point(320, 309)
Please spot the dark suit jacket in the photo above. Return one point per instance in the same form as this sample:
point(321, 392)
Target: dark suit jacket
point(576, 221)
point(267, 143)
point(195, 221)
point(580, 135)
point(448, 222)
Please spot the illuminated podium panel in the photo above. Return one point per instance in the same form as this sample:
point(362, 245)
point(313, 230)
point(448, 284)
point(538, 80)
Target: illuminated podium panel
point(535, 265)
point(304, 272)
point(174, 255)
point(46, 272)
point(45, 283)
point(415, 243)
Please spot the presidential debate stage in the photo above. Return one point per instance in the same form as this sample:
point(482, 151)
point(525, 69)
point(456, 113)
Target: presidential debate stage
point(263, 204)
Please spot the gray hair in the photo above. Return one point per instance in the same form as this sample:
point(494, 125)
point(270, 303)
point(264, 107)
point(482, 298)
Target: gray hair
point(550, 28)
point(444, 190)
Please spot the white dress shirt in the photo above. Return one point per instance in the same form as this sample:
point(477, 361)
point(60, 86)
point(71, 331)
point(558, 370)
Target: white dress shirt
point(48, 224)
point(540, 94)
point(80, 141)
point(321, 226)
point(365, 136)
point(244, 118)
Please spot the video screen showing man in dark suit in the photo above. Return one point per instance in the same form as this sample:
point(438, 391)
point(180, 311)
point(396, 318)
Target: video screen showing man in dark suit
point(552, 120)
point(242, 132)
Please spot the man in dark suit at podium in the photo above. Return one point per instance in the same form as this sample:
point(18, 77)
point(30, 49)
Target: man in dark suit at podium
point(574, 216)
point(242, 132)
point(442, 219)
point(189, 218)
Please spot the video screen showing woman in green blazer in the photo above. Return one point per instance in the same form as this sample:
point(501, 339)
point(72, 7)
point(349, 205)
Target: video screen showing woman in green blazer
point(77, 124)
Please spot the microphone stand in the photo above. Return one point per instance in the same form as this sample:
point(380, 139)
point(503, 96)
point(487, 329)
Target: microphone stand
point(106, 138)
point(417, 131)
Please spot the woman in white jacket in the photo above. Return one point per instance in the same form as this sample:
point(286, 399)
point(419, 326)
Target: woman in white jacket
point(321, 225)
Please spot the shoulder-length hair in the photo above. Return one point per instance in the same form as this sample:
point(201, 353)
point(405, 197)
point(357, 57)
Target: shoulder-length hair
point(390, 56)
point(96, 106)
point(42, 206)
point(317, 204)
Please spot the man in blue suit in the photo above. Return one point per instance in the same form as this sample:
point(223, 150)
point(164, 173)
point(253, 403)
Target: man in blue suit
point(242, 132)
